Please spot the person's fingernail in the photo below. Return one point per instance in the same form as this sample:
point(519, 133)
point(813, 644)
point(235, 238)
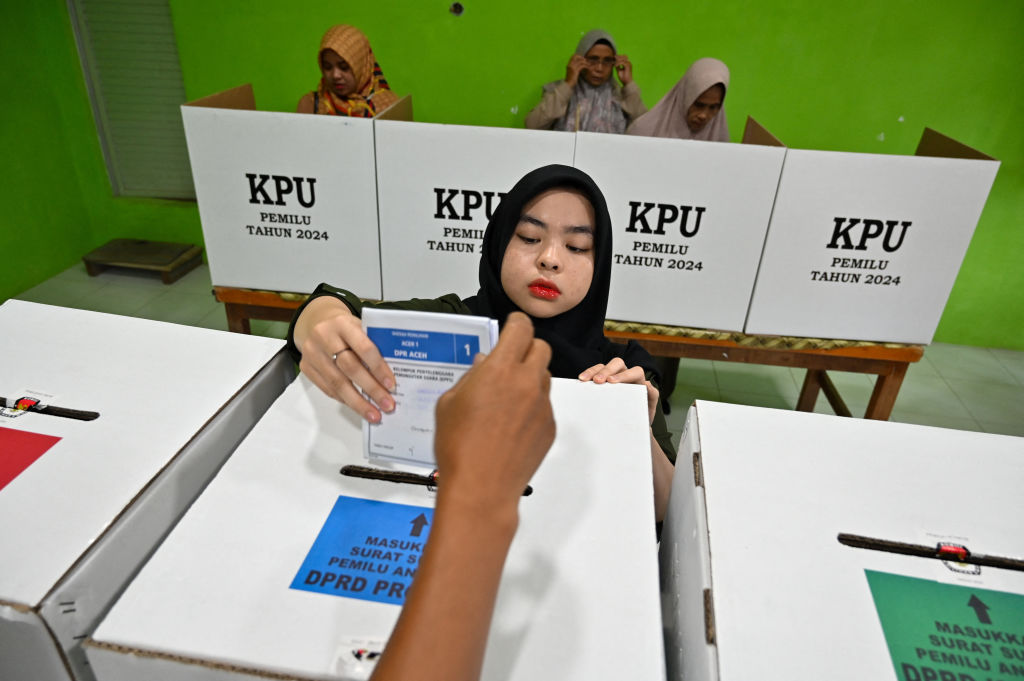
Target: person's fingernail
point(388, 404)
point(389, 383)
point(372, 416)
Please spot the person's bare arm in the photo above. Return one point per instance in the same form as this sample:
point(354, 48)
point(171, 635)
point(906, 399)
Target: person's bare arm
point(493, 429)
point(305, 104)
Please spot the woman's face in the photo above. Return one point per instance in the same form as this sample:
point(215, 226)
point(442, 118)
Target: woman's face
point(705, 107)
point(549, 262)
point(600, 64)
point(337, 73)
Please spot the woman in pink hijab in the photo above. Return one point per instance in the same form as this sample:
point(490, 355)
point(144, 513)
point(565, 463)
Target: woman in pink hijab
point(693, 109)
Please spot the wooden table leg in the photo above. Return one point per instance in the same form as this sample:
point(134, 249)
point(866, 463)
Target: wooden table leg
point(833, 396)
point(883, 397)
point(238, 319)
point(809, 391)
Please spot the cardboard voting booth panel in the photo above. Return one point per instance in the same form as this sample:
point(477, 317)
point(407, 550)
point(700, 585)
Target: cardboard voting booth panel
point(864, 246)
point(286, 200)
point(756, 584)
point(283, 563)
point(84, 502)
point(689, 221)
point(437, 187)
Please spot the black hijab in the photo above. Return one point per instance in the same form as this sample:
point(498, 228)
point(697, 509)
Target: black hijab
point(577, 335)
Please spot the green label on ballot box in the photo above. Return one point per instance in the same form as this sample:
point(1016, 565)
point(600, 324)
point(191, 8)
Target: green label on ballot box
point(948, 632)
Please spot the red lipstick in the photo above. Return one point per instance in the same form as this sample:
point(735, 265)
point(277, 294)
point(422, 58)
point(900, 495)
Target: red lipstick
point(544, 289)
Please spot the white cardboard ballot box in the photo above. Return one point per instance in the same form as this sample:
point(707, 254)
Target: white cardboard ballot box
point(866, 246)
point(437, 187)
point(285, 200)
point(83, 503)
point(279, 565)
point(689, 219)
point(756, 585)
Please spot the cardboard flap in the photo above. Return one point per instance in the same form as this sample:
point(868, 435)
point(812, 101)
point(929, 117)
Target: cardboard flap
point(399, 111)
point(755, 133)
point(936, 144)
point(240, 97)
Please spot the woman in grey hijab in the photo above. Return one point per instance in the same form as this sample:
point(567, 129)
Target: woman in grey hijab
point(588, 98)
point(693, 109)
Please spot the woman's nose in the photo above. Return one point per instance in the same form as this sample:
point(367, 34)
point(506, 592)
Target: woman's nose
point(548, 259)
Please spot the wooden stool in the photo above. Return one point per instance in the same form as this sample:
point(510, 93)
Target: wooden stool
point(172, 261)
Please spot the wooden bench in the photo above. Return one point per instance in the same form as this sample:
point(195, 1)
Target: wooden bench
point(888, 361)
point(243, 304)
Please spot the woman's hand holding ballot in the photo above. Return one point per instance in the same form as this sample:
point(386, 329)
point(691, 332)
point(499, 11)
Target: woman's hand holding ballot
point(341, 360)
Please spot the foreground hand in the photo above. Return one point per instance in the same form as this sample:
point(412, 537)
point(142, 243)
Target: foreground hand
point(573, 69)
point(616, 371)
point(624, 69)
point(495, 425)
point(340, 358)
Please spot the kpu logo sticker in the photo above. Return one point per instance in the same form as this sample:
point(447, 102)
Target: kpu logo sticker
point(20, 407)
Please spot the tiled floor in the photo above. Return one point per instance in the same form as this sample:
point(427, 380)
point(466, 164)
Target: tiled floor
point(953, 386)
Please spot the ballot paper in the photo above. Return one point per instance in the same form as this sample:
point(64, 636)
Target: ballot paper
point(428, 353)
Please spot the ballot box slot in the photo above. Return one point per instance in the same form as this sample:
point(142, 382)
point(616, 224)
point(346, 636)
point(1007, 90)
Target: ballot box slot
point(429, 481)
point(940, 551)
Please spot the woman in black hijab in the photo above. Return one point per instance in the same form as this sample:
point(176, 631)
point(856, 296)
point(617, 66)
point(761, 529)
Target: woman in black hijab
point(576, 336)
point(547, 251)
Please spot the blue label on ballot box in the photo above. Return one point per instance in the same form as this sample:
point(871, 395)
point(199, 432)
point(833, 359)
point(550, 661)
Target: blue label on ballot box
point(366, 549)
point(424, 346)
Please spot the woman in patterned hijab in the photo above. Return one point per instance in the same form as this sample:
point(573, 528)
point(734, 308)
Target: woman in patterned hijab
point(352, 82)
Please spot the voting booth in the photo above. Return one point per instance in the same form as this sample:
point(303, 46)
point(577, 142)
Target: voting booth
point(689, 221)
point(285, 200)
point(437, 186)
point(757, 584)
point(752, 238)
point(282, 567)
point(110, 427)
point(866, 246)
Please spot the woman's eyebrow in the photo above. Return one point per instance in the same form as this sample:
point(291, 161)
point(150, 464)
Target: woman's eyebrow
point(580, 229)
point(572, 229)
point(526, 217)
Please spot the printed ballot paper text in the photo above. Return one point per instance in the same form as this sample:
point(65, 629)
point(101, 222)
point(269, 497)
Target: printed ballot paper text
point(428, 353)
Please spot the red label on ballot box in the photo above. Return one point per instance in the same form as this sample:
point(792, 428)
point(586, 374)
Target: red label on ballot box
point(18, 450)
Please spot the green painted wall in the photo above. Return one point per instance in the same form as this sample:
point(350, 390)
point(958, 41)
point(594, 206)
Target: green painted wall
point(862, 76)
point(835, 76)
point(57, 203)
